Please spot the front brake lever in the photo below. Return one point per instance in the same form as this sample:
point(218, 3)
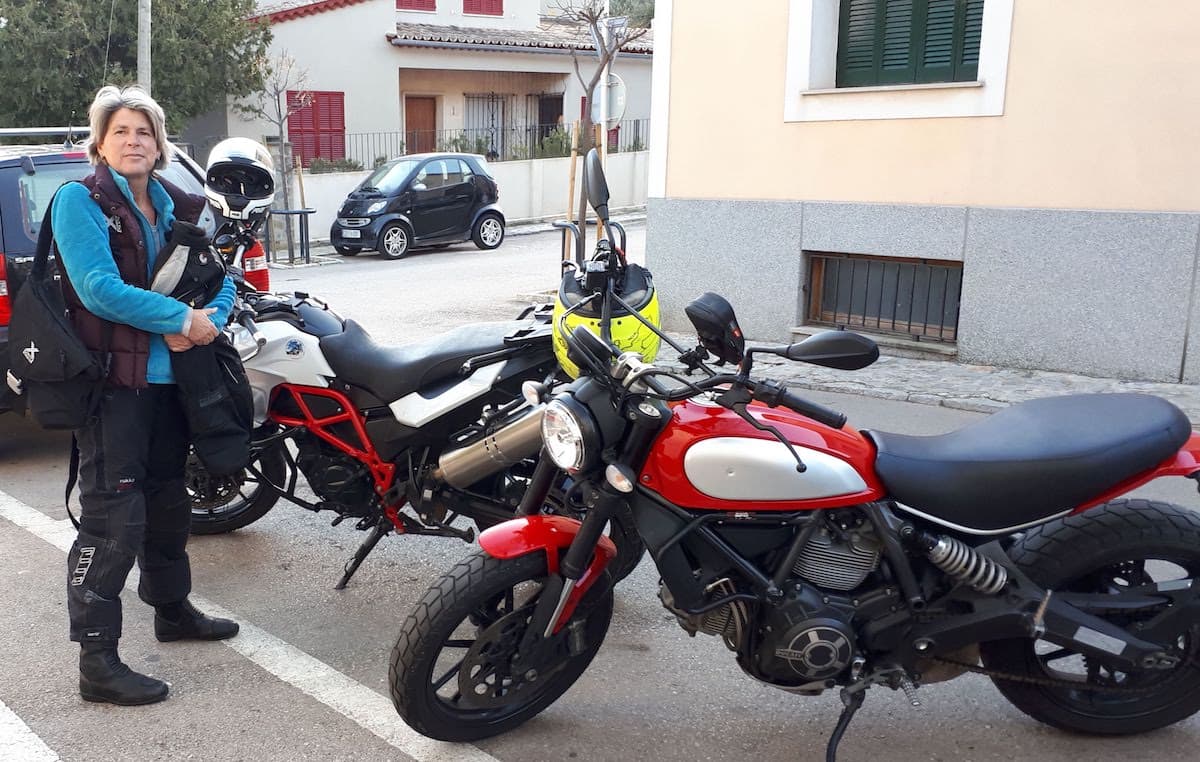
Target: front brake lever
point(736, 398)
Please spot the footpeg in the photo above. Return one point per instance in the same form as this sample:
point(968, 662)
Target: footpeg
point(910, 691)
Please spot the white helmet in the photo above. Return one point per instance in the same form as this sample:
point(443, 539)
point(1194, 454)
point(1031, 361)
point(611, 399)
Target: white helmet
point(240, 181)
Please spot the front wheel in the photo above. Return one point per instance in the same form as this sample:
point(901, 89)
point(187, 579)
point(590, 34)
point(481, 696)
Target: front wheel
point(1123, 544)
point(224, 503)
point(455, 673)
point(394, 241)
point(488, 231)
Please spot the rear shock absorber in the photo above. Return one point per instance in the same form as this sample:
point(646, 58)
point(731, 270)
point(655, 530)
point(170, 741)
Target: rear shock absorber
point(963, 563)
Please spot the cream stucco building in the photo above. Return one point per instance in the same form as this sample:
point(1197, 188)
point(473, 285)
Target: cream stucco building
point(1016, 180)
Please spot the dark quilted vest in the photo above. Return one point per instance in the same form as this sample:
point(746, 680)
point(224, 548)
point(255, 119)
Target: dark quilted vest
point(129, 347)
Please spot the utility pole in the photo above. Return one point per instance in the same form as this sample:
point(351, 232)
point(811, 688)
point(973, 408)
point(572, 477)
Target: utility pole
point(143, 45)
point(602, 87)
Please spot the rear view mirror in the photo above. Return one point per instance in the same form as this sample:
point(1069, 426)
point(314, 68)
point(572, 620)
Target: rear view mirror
point(717, 327)
point(596, 184)
point(843, 350)
point(419, 186)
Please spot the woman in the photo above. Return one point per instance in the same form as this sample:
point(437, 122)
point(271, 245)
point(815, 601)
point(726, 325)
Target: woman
point(108, 230)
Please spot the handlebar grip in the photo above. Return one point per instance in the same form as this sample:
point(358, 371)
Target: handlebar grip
point(774, 394)
point(818, 413)
point(246, 319)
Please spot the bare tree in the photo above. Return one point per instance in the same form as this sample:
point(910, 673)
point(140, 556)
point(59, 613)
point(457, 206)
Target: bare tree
point(285, 92)
point(591, 15)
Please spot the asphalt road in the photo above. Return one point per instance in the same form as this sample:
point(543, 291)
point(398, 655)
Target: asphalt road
point(306, 679)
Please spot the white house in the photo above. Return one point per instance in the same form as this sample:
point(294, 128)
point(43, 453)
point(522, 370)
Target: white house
point(403, 76)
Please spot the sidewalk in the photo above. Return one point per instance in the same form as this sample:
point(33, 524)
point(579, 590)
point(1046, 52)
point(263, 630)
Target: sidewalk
point(322, 253)
point(980, 388)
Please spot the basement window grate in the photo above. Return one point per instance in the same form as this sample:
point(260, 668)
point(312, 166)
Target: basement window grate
point(916, 298)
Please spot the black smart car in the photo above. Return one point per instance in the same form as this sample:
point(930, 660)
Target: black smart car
point(422, 200)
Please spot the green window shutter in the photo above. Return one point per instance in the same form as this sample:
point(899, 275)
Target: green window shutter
point(884, 42)
point(968, 62)
point(949, 44)
point(897, 62)
point(856, 57)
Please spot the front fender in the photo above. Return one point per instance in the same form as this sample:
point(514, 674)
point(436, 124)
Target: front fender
point(552, 535)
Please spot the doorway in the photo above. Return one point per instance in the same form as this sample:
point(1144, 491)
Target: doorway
point(420, 124)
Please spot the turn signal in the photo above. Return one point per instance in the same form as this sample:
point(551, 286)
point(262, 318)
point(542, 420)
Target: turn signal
point(620, 477)
point(534, 392)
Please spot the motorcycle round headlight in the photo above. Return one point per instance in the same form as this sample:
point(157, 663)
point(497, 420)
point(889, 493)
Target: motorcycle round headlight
point(563, 437)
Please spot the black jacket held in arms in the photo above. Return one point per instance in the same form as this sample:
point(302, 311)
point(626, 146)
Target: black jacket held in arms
point(211, 380)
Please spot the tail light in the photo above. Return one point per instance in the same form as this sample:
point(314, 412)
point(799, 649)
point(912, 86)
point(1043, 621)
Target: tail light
point(5, 299)
point(254, 264)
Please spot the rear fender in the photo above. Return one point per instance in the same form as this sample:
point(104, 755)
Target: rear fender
point(488, 209)
point(1186, 462)
point(551, 535)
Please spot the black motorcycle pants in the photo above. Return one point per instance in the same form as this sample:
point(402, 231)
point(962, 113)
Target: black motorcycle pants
point(134, 506)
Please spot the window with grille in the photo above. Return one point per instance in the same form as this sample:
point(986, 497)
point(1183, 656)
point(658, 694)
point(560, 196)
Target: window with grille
point(318, 130)
point(484, 7)
point(891, 42)
point(917, 298)
point(416, 5)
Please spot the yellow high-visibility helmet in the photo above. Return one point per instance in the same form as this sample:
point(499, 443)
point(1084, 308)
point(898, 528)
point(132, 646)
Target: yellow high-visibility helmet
point(636, 287)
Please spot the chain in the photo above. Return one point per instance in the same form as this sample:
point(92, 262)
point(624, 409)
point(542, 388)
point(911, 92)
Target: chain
point(1049, 682)
point(1053, 683)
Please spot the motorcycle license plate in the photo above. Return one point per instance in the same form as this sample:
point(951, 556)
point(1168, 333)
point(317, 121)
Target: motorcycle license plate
point(351, 234)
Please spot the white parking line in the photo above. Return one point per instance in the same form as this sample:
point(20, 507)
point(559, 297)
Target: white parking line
point(17, 741)
point(339, 692)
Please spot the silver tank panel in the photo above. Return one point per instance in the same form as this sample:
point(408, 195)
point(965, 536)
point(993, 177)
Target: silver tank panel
point(737, 468)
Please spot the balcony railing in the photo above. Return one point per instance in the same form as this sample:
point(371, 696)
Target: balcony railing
point(540, 141)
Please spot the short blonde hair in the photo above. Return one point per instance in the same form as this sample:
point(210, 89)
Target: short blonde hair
point(110, 99)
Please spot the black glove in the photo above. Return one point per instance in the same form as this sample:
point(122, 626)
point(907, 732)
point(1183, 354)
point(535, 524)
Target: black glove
point(188, 236)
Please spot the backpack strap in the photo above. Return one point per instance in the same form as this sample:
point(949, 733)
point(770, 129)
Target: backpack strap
point(72, 478)
point(41, 262)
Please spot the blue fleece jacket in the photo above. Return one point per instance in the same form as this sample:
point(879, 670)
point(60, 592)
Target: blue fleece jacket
point(81, 234)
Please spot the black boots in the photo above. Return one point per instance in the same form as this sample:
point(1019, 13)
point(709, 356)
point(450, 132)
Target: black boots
point(104, 677)
point(181, 621)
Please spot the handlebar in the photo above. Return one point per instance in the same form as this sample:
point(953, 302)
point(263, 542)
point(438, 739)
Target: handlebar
point(777, 394)
point(246, 319)
point(772, 393)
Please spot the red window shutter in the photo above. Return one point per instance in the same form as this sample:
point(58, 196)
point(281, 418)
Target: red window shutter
point(318, 129)
point(484, 7)
point(416, 5)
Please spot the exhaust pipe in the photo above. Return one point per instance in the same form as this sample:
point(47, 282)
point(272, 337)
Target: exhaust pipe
point(508, 445)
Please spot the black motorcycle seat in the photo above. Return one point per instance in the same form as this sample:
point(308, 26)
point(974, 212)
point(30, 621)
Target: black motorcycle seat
point(1030, 461)
point(393, 372)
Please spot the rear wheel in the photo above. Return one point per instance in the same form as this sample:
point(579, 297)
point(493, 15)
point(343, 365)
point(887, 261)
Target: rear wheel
point(488, 231)
point(1124, 544)
point(394, 241)
point(224, 503)
point(455, 672)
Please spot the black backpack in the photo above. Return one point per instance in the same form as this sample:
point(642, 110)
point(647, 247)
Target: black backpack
point(61, 378)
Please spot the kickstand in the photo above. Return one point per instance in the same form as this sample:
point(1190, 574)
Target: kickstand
point(382, 527)
point(852, 701)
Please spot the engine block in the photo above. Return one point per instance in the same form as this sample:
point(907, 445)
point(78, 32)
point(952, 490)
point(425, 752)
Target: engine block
point(837, 564)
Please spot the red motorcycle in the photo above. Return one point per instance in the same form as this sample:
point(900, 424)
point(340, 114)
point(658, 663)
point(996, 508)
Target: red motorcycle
point(830, 558)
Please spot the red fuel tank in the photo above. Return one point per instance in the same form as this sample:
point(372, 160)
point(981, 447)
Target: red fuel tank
point(709, 458)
